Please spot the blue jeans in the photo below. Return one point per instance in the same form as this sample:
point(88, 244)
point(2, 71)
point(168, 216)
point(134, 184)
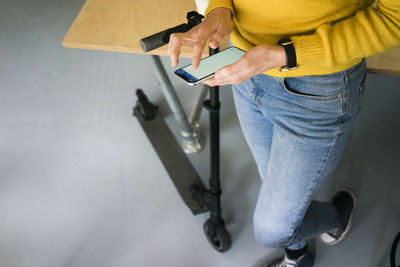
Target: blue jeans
point(297, 129)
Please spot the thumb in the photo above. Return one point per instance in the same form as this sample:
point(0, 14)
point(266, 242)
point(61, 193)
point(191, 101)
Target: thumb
point(224, 72)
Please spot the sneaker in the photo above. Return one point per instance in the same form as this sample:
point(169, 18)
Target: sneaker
point(307, 260)
point(345, 203)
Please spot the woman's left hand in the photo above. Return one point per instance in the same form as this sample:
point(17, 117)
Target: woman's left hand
point(257, 60)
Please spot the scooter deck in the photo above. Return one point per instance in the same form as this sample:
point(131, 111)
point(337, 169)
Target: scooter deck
point(174, 159)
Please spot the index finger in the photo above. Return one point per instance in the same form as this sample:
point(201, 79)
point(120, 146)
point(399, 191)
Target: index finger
point(201, 33)
point(197, 53)
point(174, 47)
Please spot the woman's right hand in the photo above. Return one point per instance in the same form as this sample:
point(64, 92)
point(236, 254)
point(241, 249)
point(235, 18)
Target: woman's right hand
point(213, 29)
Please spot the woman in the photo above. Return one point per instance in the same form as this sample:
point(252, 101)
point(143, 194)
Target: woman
point(298, 93)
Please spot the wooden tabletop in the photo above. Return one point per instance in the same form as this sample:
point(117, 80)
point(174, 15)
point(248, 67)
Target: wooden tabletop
point(118, 25)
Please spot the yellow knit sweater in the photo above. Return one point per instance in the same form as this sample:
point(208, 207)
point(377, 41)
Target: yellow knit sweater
point(328, 35)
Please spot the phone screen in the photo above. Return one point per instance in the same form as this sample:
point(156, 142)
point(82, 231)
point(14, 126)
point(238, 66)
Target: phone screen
point(210, 65)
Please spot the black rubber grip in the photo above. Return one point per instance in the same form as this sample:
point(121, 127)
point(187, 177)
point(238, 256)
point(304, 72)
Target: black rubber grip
point(162, 38)
point(153, 41)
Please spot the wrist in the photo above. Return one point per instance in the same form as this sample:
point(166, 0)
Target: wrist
point(273, 56)
point(270, 56)
point(279, 56)
point(221, 11)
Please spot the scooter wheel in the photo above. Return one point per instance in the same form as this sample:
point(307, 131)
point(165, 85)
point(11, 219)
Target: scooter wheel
point(217, 235)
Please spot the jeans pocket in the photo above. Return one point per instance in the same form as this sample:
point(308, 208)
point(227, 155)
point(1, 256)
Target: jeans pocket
point(317, 88)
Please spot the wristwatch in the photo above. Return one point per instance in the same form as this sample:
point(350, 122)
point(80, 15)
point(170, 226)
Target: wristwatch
point(291, 62)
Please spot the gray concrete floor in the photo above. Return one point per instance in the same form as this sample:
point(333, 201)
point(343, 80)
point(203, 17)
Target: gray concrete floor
point(80, 184)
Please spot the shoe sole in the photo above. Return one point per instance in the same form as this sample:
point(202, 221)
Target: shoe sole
point(342, 236)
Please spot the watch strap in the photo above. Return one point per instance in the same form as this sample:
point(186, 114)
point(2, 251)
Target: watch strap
point(291, 62)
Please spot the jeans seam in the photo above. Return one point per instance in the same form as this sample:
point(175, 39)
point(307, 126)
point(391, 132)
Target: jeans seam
point(356, 67)
point(344, 102)
point(317, 177)
point(256, 92)
point(347, 75)
point(258, 104)
point(252, 91)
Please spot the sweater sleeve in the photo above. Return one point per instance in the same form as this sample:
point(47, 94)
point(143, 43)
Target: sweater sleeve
point(370, 31)
point(213, 4)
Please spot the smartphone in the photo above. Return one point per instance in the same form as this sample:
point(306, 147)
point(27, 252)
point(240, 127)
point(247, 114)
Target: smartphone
point(209, 65)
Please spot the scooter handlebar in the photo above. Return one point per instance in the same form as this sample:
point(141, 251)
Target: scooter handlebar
point(161, 38)
point(153, 41)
